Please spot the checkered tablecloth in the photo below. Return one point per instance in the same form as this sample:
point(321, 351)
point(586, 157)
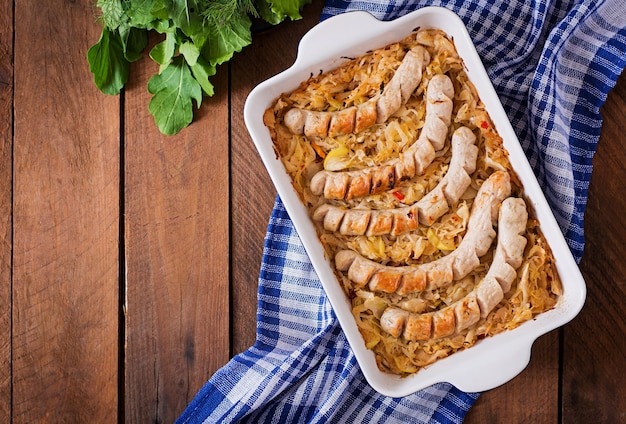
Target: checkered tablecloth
point(552, 64)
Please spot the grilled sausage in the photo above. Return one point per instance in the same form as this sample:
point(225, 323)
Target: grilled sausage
point(376, 110)
point(486, 295)
point(376, 179)
point(475, 243)
point(427, 210)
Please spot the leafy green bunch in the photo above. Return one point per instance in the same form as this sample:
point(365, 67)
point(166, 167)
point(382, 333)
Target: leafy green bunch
point(199, 36)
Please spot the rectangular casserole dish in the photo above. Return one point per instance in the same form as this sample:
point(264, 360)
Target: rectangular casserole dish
point(494, 360)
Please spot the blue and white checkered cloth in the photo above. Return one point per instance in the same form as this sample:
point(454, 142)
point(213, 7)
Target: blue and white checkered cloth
point(552, 64)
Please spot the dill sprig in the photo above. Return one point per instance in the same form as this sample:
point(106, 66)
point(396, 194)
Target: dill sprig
point(220, 12)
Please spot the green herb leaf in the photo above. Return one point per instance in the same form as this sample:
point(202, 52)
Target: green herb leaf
point(265, 12)
point(190, 51)
point(201, 71)
point(161, 25)
point(133, 42)
point(228, 38)
point(199, 35)
point(141, 12)
point(107, 63)
point(112, 13)
point(173, 91)
point(186, 15)
point(164, 51)
point(287, 8)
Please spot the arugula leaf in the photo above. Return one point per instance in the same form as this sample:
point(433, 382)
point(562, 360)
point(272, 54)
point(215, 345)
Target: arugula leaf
point(227, 39)
point(133, 42)
point(160, 25)
point(201, 71)
point(141, 12)
point(173, 91)
point(190, 51)
point(164, 51)
point(186, 15)
point(287, 8)
point(112, 13)
point(107, 63)
point(265, 12)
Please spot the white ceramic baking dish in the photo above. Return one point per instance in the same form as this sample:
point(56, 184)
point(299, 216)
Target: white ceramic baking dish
point(494, 360)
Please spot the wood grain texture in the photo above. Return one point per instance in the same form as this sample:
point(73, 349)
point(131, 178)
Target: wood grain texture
point(593, 349)
point(66, 219)
point(6, 195)
point(253, 194)
point(177, 252)
point(531, 397)
point(101, 211)
point(594, 356)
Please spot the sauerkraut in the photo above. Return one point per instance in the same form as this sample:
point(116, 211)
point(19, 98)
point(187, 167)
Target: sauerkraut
point(536, 288)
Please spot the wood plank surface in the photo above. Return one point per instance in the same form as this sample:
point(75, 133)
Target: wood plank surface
point(584, 372)
point(66, 220)
point(594, 354)
point(129, 260)
point(176, 199)
point(253, 193)
point(6, 195)
point(530, 397)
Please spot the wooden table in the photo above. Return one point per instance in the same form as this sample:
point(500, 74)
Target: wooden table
point(129, 259)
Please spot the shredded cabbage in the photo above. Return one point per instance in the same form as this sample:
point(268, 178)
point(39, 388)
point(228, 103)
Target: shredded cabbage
point(537, 287)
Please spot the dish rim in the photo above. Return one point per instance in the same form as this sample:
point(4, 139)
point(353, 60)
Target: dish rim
point(496, 359)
